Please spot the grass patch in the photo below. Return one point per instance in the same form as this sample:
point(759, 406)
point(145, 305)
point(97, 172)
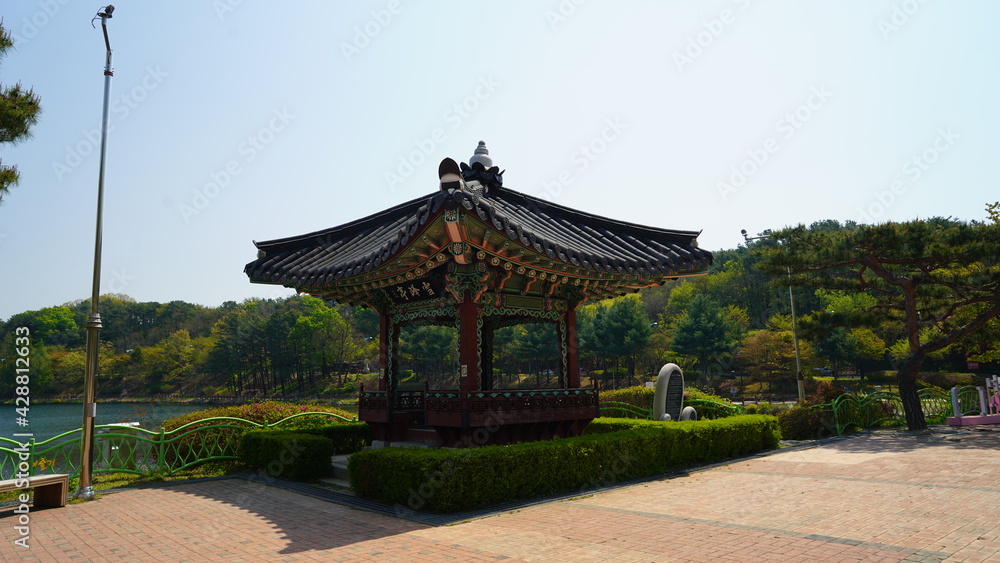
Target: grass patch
point(107, 481)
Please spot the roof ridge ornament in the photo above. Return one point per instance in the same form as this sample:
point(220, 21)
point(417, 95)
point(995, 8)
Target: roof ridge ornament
point(480, 171)
point(451, 176)
point(481, 155)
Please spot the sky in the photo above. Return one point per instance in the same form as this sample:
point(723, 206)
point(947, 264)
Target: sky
point(234, 121)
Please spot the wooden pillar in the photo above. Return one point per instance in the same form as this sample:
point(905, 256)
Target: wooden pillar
point(468, 355)
point(572, 351)
point(383, 351)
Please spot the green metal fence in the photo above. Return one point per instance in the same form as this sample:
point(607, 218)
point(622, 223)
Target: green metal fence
point(712, 409)
point(616, 409)
point(706, 409)
point(886, 409)
point(847, 411)
point(123, 449)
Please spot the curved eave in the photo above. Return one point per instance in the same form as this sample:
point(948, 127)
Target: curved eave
point(590, 241)
point(318, 258)
point(565, 236)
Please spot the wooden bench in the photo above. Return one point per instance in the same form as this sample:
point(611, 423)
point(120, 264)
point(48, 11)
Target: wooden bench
point(50, 490)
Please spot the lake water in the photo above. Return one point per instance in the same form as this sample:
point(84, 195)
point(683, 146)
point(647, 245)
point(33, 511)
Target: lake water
point(46, 421)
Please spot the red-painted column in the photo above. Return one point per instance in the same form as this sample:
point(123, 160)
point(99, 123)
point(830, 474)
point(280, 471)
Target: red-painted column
point(468, 355)
point(572, 350)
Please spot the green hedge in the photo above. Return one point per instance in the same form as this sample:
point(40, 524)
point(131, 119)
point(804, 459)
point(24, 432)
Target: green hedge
point(804, 423)
point(347, 438)
point(289, 455)
point(615, 450)
point(639, 395)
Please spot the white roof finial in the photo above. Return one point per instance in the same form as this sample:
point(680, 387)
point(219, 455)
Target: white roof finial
point(482, 156)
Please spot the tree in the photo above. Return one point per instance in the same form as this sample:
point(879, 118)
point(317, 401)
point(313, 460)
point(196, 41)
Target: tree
point(769, 354)
point(331, 338)
point(56, 326)
point(618, 329)
point(705, 332)
point(837, 333)
point(170, 364)
point(19, 110)
point(431, 352)
point(536, 344)
point(764, 353)
point(939, 277)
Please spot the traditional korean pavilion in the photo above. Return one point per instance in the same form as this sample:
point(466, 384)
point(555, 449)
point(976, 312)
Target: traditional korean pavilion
point(477, 256)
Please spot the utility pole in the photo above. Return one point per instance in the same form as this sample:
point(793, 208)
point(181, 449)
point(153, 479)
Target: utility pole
point(799, 378)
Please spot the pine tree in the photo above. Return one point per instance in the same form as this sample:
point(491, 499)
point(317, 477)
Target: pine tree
point(939, 278)
point(704, 333)
point(19, 109)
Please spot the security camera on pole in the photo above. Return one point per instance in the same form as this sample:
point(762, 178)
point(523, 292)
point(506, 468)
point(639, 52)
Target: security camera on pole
point(86, 489)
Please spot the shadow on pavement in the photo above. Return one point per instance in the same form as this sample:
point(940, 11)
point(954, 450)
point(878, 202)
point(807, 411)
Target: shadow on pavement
point(899, 440)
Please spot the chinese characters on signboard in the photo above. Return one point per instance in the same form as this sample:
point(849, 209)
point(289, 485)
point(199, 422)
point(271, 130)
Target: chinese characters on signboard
point(419, 289)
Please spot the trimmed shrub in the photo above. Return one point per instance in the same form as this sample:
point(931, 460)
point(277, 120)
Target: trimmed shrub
point(803, 423)
point(949, 380)
point(764, 407)
point(615, 450)
point(708, 395)
point(606, 425)
point(288, 455)
point(825, 393)
point(640, 396)
point(346, 438)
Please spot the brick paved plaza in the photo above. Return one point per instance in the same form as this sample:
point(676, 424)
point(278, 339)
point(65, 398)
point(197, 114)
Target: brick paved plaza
point(886, 496)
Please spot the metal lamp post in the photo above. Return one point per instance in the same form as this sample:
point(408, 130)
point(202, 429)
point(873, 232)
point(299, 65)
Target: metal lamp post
point(86, 489)
point(799, 378)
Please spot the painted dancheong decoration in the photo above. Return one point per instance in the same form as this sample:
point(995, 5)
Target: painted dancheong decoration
point(668, 396)
point(478, 256)
point(989, 405)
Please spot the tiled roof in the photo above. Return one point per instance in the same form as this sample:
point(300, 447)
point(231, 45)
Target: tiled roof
point(341, 252)
point(567, 235)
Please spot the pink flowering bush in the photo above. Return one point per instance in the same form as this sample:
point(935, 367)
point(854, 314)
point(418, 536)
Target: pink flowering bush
point(266, 411)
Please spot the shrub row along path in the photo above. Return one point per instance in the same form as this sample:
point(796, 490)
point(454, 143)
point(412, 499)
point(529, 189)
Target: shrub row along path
point(884, 496)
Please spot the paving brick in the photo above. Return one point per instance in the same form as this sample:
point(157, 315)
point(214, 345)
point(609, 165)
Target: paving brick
point(886, 496)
